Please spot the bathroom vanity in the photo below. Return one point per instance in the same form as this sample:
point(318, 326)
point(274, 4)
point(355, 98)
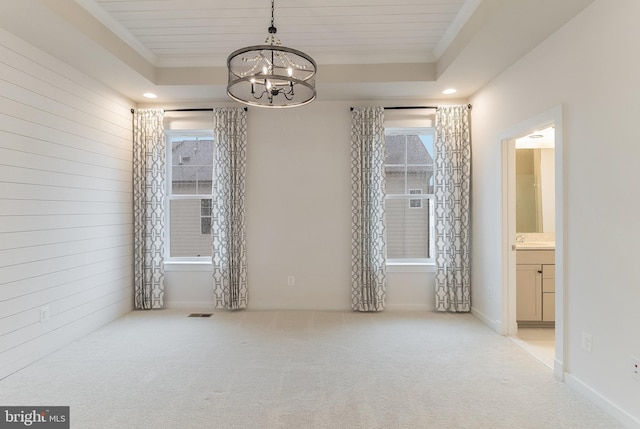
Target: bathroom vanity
point(535, 285)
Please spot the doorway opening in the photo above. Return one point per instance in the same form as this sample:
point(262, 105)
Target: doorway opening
point(532, 233)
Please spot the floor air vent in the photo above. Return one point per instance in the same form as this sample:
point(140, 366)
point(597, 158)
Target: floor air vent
point(200, 315)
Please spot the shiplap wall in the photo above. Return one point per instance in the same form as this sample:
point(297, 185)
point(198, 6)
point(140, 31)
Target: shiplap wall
point(65, 204)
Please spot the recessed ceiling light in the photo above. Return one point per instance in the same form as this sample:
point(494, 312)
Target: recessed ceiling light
point(450, 91)
point(149, 95)
point(536, 136)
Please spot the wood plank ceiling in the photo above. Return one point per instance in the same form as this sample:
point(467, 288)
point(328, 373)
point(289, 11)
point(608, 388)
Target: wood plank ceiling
point(182, 33)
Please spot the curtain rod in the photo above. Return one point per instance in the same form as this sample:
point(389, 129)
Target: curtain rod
point(210, 109)
point(412, 107)
point(194, 110)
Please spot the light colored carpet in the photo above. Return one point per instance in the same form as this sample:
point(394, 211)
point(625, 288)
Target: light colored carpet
point(310, 369)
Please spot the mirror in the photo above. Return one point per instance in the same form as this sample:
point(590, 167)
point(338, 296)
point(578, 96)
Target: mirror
point(535, 183)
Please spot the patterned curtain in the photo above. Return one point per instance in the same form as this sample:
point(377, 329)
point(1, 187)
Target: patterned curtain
point(452, 208)
point(368, 243)
point(228, 211)
point(148, 208)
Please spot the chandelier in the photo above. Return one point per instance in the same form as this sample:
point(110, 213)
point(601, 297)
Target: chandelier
point(271, 75)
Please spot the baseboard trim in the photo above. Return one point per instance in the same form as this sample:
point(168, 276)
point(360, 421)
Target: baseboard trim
point(558, 370)
point(603, 403)
point(208, 306)
point(493, 324)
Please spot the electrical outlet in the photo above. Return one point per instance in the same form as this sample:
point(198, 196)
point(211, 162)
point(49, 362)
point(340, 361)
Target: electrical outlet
point(586, 341)
point(635, 368)
point(291, 281)
point(44, 313)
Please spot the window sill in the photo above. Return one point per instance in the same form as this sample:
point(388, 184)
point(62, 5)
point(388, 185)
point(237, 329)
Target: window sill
point(193, 265)
point(411, 267)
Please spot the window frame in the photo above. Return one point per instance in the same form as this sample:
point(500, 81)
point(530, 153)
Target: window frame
point(169, 136)
point(391, 131)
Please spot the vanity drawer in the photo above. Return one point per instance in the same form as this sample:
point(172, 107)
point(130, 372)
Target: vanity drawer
point(535, 257)
point(549, 307)
point(548, 271)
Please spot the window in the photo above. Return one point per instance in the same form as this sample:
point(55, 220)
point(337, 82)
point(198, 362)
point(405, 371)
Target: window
point(189, 186)
point(409, 200)
point(415, 203)
point(205, 216)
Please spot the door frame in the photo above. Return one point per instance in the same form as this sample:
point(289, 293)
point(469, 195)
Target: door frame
point(509, 327)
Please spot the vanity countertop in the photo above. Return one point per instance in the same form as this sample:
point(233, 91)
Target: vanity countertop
point(536, 245)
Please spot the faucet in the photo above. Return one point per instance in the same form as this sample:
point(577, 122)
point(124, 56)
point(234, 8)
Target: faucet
point(520, 238)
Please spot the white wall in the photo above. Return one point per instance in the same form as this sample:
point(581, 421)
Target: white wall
point(298, 216)
point(589, 68)
point(65, 204)
point(299, 207)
